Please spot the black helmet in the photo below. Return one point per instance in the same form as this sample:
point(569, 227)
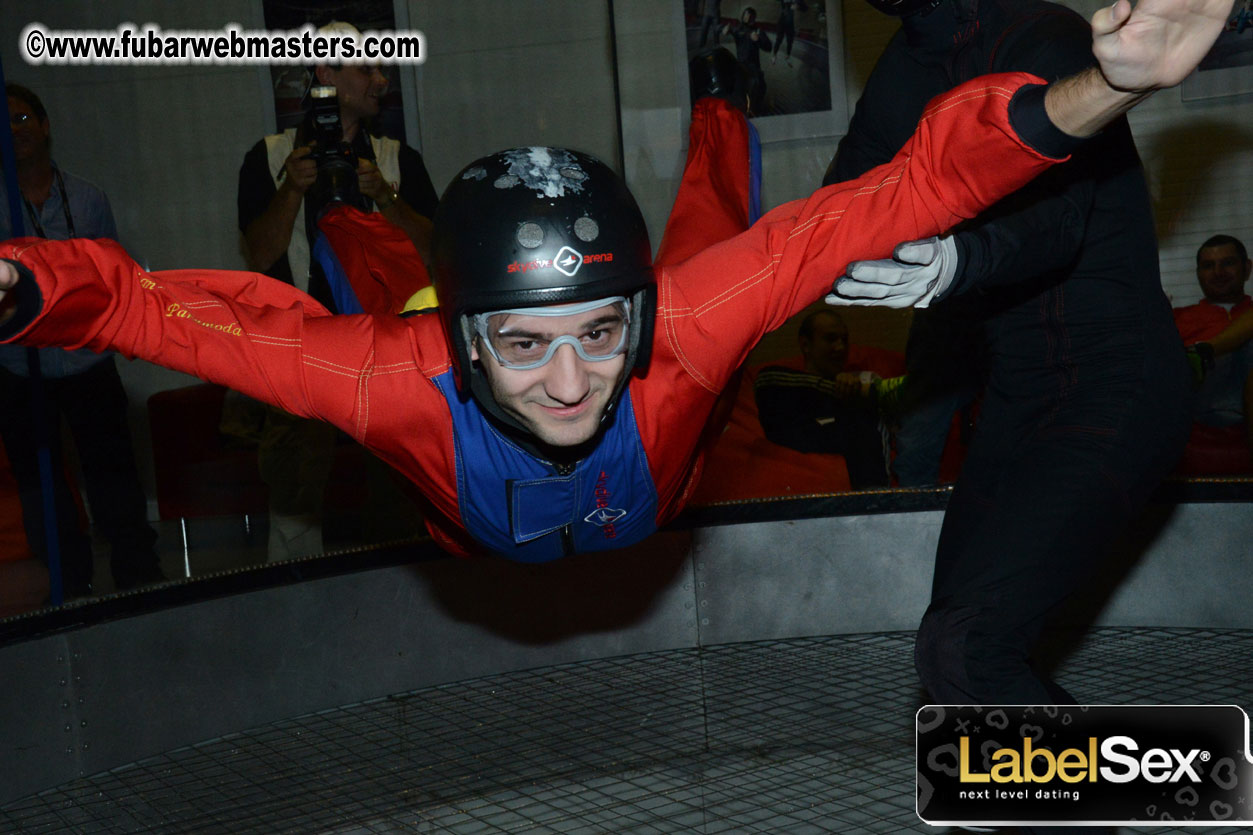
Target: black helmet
point(531, 227)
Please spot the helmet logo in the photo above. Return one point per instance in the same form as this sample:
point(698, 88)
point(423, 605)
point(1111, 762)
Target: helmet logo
point(568, 261)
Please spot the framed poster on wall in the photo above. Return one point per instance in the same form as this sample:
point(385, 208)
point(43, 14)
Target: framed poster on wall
point(805, 101)
point(789, 51)
point(1228, 68)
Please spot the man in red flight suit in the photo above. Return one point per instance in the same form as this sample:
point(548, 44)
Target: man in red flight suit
point(555, 402)
point(1222, 401)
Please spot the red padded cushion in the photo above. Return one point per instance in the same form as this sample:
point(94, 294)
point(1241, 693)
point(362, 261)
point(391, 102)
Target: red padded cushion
point(1215, 450)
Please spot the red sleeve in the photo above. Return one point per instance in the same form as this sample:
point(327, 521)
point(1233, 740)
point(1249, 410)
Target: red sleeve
point(712, 203)
point(963, 157)
point(242, 330)
point(379, 260)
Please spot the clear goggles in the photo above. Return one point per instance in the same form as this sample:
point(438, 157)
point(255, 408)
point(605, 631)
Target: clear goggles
point(521, 345)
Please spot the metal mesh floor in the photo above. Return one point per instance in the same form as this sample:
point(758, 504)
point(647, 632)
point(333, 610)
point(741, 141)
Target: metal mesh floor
point(798, 736)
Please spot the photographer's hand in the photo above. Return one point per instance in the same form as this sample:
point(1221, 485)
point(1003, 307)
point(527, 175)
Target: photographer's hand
point(299, 172)
point(266, 239)
point(416, 227)
point(370, 181)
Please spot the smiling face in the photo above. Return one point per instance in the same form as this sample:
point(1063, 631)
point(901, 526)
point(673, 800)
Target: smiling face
point(562, 401)
point(1222, 273)
point(360, 89)
point(824, 344)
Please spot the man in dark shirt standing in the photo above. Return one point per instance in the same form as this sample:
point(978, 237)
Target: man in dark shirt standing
point(1085, 409)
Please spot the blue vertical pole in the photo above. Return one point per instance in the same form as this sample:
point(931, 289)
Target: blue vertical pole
point(38, 412)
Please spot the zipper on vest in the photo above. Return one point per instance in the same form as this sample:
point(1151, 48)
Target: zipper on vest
point(567, 533)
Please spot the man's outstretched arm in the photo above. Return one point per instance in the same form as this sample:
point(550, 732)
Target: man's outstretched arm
point(1234, 335)
point(1149, 47)
point(1231, 338)
point(259, 336)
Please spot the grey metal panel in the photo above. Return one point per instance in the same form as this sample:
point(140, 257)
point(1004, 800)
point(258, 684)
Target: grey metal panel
point(1197, 569)
point(187, 674)
point(1179, 565)
point(39, 716)
point(814, 576)
point(142, 685)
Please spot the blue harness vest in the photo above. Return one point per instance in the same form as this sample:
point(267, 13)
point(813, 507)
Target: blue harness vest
point(519, 507)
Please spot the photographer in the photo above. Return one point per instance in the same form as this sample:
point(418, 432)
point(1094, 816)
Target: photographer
point(284, 184)
point(276, 182)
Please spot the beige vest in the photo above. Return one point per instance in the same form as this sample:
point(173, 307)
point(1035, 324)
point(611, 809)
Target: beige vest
point(278, 146)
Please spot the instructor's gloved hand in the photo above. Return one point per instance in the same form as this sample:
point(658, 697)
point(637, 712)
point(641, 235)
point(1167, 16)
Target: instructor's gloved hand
point(917, 272)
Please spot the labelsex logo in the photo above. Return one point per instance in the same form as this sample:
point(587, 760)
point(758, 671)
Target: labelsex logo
point(1039, 765)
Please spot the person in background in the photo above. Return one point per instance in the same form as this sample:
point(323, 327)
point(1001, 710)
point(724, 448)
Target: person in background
point(41, 390)
point(279, 207)
point(1225, 387)
point(710, 22)
point(786, 28)
point(750, 42)
point(828, 406)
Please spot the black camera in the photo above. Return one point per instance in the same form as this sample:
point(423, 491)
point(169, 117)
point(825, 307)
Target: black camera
point(337, 164)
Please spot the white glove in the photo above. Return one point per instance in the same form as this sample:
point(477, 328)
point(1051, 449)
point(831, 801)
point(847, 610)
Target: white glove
point(917, 272)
